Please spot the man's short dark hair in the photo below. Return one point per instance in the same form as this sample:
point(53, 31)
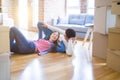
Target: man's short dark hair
point(70, 33)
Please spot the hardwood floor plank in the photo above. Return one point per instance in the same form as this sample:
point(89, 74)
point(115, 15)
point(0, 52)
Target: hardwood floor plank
point(102, 71)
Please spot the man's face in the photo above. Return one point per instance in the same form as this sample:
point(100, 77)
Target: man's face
point(66, 38)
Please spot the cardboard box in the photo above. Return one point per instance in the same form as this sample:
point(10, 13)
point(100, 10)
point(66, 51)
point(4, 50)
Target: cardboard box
point(4, 39)
point(115, 0)
point(116, 7)
point(114, 38)
point(113, 59)
point(5, 66)
point(100, 42)
point(103, 19)
point(103, 3)
point(117, 21)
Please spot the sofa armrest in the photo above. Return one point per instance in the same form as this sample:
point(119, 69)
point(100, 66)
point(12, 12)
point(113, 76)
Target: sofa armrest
point(90, 25)
point(54, 21)
point(89, 19)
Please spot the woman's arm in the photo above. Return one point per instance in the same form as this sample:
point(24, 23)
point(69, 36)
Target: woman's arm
point(54, 28)
point(58, 30)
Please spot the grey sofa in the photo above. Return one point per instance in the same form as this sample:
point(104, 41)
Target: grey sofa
point(79, 22)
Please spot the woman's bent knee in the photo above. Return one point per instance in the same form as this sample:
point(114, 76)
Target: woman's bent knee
point(13, 28)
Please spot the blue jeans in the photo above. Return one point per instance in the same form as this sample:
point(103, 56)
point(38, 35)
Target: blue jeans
point(47, 32)
point(18, 43)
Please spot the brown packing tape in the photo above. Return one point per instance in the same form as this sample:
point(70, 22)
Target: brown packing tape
point(114, 30)
point(101, 3)
point(114, 51)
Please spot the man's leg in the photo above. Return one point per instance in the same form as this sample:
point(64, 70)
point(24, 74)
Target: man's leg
point(46, 31)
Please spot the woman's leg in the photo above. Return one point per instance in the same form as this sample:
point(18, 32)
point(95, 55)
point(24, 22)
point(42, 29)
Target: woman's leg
point(18, 42)
point(46, 31)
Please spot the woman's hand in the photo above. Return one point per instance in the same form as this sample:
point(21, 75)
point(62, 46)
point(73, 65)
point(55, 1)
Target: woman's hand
point(44, 25)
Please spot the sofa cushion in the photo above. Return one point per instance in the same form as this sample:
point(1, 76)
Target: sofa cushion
point(77, 28)
point(89, 19)
point(89, 25)
point(77, 19)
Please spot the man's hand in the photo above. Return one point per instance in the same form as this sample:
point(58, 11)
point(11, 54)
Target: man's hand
point(73, 39)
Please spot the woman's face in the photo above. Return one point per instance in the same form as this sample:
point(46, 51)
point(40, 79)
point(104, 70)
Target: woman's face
point(54, 36)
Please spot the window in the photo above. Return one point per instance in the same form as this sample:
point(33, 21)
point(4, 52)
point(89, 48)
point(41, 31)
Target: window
point(73, 7)
point(35, 12)
point(23, 11)
point(90, 6)
point(28, 13)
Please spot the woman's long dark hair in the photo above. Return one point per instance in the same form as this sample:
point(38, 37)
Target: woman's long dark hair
point(53, 48)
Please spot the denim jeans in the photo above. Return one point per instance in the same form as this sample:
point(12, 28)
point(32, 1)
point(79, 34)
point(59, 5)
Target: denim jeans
point(18, 43)
point(46, 31)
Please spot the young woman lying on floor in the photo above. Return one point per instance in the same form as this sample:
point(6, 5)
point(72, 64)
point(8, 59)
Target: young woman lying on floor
point(19, 44)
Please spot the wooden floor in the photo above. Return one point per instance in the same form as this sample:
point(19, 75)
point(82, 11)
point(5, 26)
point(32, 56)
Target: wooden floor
point(57, 66)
